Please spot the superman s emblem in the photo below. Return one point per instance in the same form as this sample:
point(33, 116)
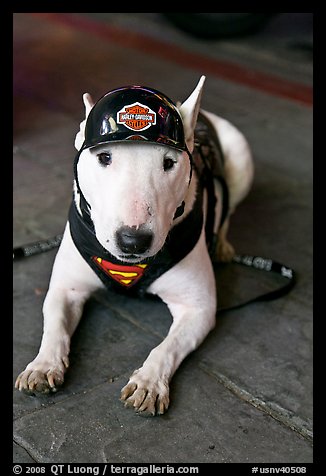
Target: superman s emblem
point(124, 275)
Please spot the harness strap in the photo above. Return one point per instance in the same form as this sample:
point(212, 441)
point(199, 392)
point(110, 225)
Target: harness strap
point(209, 162)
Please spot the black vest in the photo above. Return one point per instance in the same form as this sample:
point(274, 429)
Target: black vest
point(182, 238)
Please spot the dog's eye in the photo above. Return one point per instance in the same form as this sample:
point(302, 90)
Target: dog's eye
point(104, 159)
point(168, 163)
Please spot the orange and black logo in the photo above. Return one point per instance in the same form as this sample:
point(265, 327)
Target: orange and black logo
point(136, 117)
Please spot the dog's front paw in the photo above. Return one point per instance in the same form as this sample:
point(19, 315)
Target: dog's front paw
point(41, 377)
point(147, 397)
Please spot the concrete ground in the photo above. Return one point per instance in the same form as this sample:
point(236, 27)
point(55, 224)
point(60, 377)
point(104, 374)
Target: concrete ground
point(246, 394)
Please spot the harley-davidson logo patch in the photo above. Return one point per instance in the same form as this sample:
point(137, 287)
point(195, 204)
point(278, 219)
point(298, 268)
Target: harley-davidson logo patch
point(136, 117)
point(124, 275)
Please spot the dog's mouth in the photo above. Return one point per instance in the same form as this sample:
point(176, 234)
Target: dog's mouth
point(131, 258)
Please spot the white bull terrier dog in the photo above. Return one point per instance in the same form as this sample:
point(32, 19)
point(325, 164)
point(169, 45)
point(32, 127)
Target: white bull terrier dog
point(154, 187)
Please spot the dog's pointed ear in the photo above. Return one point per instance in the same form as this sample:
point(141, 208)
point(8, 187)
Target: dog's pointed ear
point(88, 102)
point(80, 136)
point(189, 113)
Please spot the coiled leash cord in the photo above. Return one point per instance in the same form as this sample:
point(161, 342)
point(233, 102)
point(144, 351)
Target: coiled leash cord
point(256, 262)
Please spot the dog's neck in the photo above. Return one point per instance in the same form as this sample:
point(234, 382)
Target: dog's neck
point(76, 197)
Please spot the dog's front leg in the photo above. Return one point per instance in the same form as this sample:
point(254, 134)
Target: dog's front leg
point(62, 311)
point(70, 286)
point(189, 291)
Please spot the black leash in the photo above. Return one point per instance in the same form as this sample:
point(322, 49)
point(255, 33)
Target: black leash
point(36, 247)
point(268, 265)
point(256, 262)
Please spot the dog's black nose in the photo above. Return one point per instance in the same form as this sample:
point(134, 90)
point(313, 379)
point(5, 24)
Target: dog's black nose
point(133, 241)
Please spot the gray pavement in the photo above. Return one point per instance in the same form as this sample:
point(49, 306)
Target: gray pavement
point(246, 394)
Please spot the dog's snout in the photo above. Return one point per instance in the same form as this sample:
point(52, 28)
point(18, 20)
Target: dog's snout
point(134, 241)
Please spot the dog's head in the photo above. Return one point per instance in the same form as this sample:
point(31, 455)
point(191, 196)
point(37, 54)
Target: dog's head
point(135, 189)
